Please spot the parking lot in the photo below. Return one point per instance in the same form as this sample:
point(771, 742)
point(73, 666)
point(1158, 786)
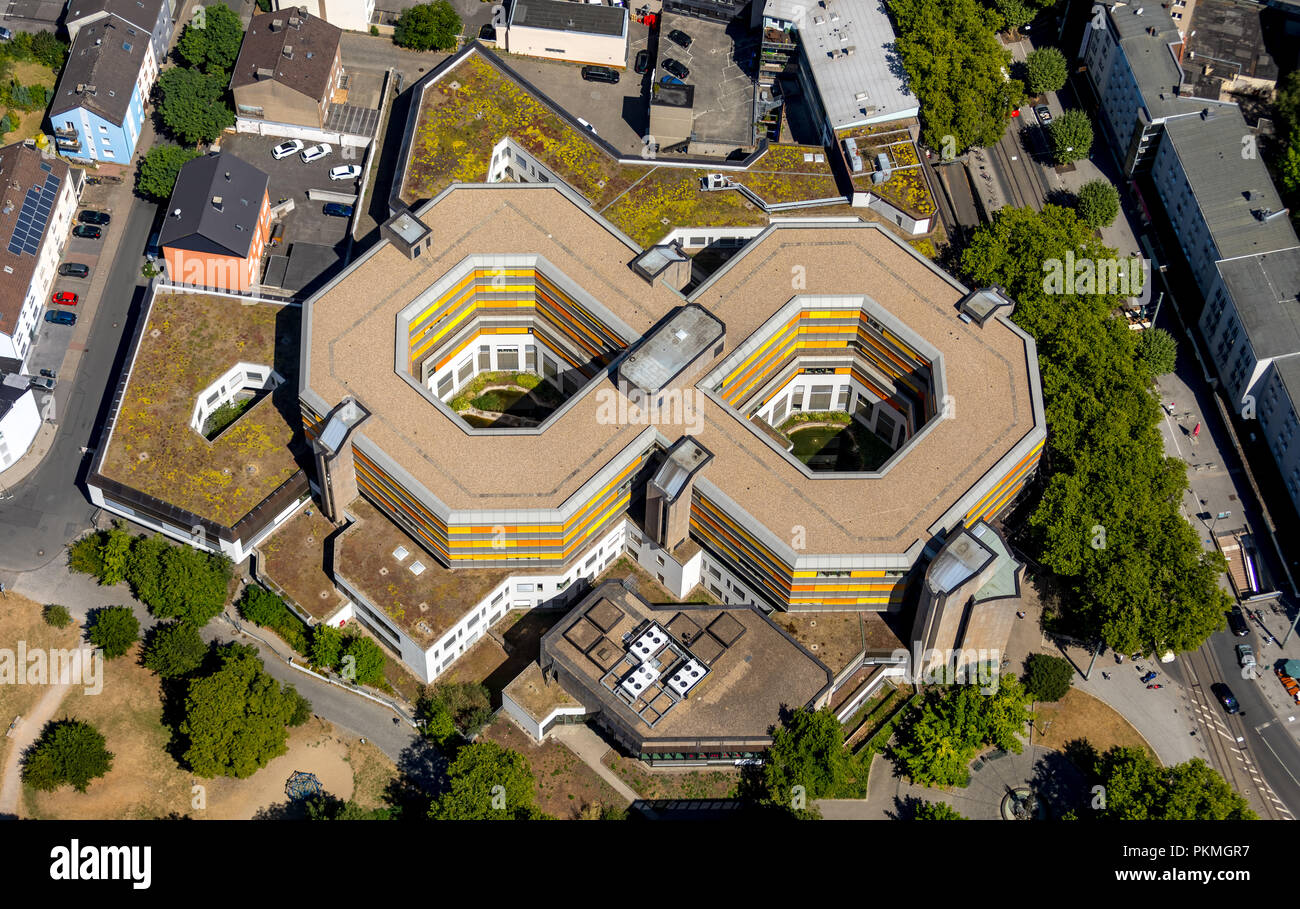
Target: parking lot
point(290, 178)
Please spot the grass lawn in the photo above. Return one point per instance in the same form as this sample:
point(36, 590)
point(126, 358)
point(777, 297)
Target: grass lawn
point(146, 782)
point(652, 783)
point(1079, 715)
point(28, 72)
point(564, 783)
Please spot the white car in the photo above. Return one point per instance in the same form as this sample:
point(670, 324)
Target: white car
point(285, 149)
point(588, 125)
point(345, 172)
point(316, 152)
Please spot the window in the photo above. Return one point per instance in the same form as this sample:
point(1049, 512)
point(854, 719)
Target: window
point(659, 559)
point(466, 370)
point(484, 357)
point(524, 588)
point(508, 359)
point(444, 386)
point(108, 153)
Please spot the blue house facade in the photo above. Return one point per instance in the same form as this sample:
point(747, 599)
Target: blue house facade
point(98, 107)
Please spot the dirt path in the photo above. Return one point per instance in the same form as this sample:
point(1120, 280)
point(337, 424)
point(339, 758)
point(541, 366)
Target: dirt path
point(25, 735)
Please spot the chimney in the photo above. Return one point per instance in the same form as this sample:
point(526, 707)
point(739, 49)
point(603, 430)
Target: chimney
point(277, 24)
point(217, 203)
point(176, 213)
point(288, 51)
point(227, 176)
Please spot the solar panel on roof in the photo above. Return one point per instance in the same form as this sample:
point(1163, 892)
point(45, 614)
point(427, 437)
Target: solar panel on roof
point(46, 167)
point(15, 249)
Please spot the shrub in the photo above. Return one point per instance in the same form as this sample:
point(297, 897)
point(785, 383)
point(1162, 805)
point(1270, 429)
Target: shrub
point(374, 30)
point(262, 607)
point(362, 661)
point(429, 26)
point(1047, 677)
point(69, 752)
point(57, 616)
point(84, 555)
point(115, 629)
point(326, 646)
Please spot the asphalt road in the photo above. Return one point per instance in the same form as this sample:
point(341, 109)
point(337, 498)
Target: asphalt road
point(49, 506)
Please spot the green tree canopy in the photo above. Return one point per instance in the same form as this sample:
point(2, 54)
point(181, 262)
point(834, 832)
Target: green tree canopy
point(158, 170)
point(211, 40)
point(1158, 351)
point(236, 719)
point(56, 616)
point(174, 649)
point(1045, 70)
point(115, 629)
point(957, 69)
point(450, 708)
point(428, 26)
point(940, 738)
point(807, 750)
point(1047, 677)
point(362, 660)
point(936, 811)
point(193, 105)
point(1097, 203)
point(487, 782)
point(178, 582)
point(68, 753)
point(1107, 521)
point(1071, 136)
point(326, 646)
point(1137, 788)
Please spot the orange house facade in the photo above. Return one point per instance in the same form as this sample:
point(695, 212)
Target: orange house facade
point(218, 224)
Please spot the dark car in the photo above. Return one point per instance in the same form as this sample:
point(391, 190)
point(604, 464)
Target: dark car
point(680, 38)
point(676, 68)
point(337, 209)
point(94, 217)
point(642, 62)
point(1237, 622)
point(1224, 694)
point(49, 374)
point(600, 74)
point(59, 317)
point(487, 33)
point(74, 270)
point(87, 232)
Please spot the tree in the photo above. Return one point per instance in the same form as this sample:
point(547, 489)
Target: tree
point(487, 782)
point(1107, 519)
point(1158, 351)
point(178, 582)
point(436, 721)
point(194, 105)
point(113, 557)
point(326, 646)
point(429, 26)
point(1137, 788)
point(211, 40)
point(1047, 677)
point(1097, 203)
point(115, 629)
point(236, 719)
point(957, 69)
point(938, 741)
point(1071, 136)
point(363, 660)
point(1015, 13)
point(68, 752)
point(327, 807)
point(452, 708)
point(807, 751)
point(57, 616)
point(174, 649)
point(49, 50)
point(1045, 70)
point(159, 169)
point(936, 811)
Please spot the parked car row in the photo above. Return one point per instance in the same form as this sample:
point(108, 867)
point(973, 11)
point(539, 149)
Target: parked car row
point(315, 153)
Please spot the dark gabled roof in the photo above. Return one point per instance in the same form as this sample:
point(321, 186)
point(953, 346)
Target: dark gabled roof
point(29, 185)
point(108, 57)
point(314, 43)
point(561, 16)
point(142, 13)
point(200, 227)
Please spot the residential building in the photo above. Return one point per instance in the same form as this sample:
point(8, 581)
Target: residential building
point(559, 30)
point(99, 103)
point(288, 69)
point(157, 18)
point(38, 200)
point(217, 225)
point(349, 15)
point(1278, 393)
point(1226, 53)
point(20, 418)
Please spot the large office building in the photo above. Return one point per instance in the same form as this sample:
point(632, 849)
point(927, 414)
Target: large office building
point(670, 420)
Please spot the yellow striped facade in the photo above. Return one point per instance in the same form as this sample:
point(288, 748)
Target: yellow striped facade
point(508, 292)
point(834, 329)
point(1001, 495)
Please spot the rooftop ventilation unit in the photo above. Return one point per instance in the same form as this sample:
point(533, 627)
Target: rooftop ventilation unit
point(636, 683)
point(277, 24)
point(686, 678)
point(218, 203)
point(715, 182)
point(651, 641)
point(855, 157)
point(288, 51)
point(883, 169)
